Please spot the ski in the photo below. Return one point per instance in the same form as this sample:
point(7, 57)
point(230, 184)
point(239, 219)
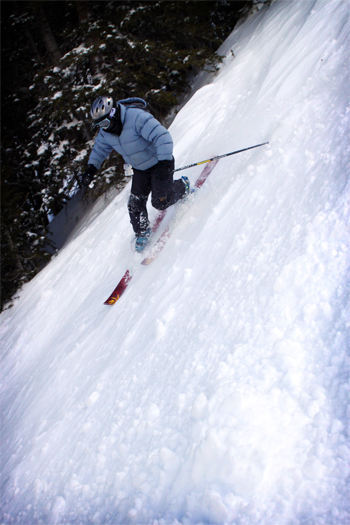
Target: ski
point(120, 289)
point(163, 239)
point(159, 245)
point(124, 281)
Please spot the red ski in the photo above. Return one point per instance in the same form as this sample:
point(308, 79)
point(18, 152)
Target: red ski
point(120, 289)
point(124, 281)
point(163, 239)
point(159, 245)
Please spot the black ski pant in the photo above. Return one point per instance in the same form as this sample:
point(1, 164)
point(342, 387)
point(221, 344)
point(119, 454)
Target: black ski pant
point(165, 192)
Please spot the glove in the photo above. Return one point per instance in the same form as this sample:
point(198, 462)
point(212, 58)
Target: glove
point(88, 175)
point(164, 169)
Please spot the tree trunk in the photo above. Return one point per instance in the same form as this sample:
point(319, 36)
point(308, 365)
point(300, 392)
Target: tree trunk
point(33, 45)
point(48, 37)
point(84, 11)
point(14, 251)
point(85, 14)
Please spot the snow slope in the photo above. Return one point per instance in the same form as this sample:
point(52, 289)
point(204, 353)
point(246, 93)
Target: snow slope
point(216, 390)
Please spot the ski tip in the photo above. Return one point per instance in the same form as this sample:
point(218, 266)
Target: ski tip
point(112, 300)
point(147, 261)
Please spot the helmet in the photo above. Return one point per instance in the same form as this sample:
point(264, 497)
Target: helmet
point(101, 107)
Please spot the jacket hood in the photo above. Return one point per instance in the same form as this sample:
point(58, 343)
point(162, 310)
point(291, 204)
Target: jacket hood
point(132, 102)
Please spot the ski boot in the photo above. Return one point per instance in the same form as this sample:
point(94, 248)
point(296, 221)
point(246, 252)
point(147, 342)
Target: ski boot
point(142, 240)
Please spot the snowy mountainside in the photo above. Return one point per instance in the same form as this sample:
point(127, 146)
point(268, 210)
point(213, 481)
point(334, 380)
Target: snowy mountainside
point(216, 389)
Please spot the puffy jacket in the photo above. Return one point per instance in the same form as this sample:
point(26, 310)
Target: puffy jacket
point(142, 143)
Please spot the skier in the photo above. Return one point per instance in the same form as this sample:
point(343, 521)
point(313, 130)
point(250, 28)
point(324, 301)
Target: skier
point(128, 128)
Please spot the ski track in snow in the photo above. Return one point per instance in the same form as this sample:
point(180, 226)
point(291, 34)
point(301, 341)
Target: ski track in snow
point(216, 390)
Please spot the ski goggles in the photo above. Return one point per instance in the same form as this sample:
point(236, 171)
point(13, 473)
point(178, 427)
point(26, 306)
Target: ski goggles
point(104, 124)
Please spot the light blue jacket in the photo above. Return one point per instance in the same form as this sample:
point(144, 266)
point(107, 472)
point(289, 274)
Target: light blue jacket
point(142, 143)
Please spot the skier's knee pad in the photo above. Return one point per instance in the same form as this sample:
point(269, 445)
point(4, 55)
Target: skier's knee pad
point(160, 203)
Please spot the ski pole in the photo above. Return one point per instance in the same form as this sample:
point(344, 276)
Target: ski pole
point(220, 157)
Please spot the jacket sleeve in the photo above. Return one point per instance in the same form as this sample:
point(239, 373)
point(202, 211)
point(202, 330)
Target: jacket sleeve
point(150, 129)
point(99, 152)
